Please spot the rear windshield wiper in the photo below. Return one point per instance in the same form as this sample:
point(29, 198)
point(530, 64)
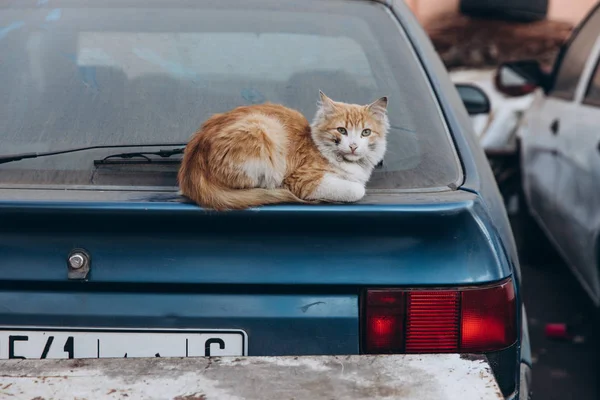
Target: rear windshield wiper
point(122, 158)
point(128, 158)
point(7, 158)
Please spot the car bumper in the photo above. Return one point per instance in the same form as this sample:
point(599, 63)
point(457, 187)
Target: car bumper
point(320, 377)
point(525, 384)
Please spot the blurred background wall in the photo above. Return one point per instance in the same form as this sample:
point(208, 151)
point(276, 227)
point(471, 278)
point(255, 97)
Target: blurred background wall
point(570, 11)
point(508, 29)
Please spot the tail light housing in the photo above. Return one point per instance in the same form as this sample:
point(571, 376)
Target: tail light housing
point(458, 320)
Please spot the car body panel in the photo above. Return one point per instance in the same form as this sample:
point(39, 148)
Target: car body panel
point(175, 243)
point(287, 273)
point(561, 168)
point(275, 324)
point(538, 153)
point(578, 192)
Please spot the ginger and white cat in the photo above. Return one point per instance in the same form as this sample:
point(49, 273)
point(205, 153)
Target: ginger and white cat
point(266, 154)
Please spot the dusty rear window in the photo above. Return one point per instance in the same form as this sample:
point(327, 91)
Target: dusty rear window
point(82, 73)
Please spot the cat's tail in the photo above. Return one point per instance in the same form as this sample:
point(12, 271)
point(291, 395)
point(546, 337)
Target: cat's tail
point(213, 196)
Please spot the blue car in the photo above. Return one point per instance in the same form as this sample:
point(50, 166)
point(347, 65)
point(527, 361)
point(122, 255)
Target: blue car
point(99, 253)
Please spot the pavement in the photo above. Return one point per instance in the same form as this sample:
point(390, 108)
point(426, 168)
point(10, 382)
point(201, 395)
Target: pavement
point(567, 369)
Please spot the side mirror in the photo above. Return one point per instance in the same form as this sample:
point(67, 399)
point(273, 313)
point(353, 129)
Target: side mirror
point(474, 99)
point(518, 78)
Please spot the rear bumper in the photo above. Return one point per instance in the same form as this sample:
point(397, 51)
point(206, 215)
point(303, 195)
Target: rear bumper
point(524, 392)
point(525, 384)
point(320, 377)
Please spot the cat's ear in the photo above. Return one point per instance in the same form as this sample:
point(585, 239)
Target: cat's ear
point(325, 103)
point(379, 106)
point(323, 97)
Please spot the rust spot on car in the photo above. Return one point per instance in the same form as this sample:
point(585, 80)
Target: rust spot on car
point(38, 398)
point(386, 391)
point(111, 391)
point(473, 357)
point(7, 386)
point(197, 396)
point(77, 363)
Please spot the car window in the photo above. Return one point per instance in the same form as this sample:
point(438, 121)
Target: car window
point(592, 94)
point(574, 57)
point(82, 73)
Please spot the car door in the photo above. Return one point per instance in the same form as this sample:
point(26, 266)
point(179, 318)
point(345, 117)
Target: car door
point(578, 165)
point(538, 146)
point(551, 121)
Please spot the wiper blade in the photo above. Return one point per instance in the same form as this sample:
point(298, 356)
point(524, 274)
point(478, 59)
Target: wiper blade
point(126, 158)
point(16, 157)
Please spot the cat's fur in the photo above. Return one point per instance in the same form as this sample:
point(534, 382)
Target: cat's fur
point(266, 154)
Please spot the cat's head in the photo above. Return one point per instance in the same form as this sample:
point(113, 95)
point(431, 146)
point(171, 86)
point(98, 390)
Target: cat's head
point(351, 132)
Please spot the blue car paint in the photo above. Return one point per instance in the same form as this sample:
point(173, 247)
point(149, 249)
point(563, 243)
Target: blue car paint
point(134, 285)
point(285, 323)
point(179, 266)
point(329, 245)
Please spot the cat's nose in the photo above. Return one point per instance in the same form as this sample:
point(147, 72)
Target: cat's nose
point(353, 147)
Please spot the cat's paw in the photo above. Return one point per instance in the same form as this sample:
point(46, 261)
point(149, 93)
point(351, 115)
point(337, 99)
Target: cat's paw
point(355, 192)
point(335, 189)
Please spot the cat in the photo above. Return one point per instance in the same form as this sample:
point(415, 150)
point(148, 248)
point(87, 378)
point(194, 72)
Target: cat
point(267, 154)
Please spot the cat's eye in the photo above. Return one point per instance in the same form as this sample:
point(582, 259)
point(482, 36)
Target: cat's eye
point(366, 132)
point(343, 131)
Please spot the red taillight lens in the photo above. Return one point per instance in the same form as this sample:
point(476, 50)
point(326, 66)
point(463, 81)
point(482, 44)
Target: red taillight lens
point(384, 315)
point(435, 321)
point(432, 321)
point(488, 318)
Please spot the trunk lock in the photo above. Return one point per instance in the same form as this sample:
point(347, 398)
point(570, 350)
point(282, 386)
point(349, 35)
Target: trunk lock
point(78, 264)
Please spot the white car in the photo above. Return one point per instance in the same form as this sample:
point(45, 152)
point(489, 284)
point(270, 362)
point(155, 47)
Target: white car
point(560, 149)
point(495, 129)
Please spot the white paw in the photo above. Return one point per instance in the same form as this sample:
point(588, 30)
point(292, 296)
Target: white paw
point(336, 189)
point(356, 191)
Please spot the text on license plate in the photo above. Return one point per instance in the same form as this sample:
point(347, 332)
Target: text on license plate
point(40, 343)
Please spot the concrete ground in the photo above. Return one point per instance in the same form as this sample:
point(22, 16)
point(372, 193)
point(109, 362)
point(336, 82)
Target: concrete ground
point(562, 369)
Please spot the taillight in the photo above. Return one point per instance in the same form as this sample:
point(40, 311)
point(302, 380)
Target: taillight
point(432, 321)
point(385, 319)
point(471, 319)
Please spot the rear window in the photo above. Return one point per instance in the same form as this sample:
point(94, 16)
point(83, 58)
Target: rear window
point(84, 73)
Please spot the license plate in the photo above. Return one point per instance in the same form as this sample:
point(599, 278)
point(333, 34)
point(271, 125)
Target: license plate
point(54, 343)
